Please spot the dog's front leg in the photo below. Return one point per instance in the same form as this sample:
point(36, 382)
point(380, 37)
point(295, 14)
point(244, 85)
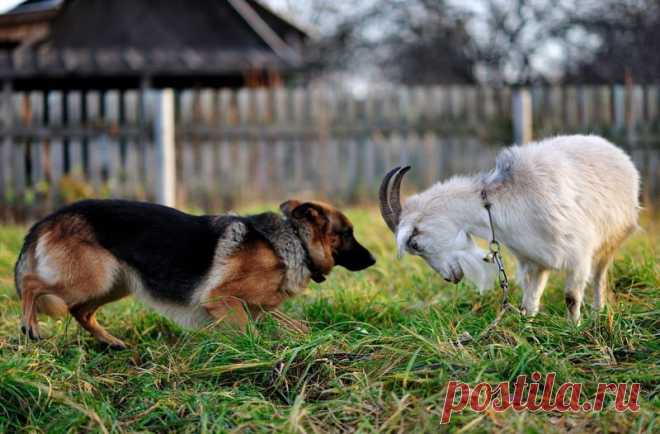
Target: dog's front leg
point(294, 325)
point(228, 309)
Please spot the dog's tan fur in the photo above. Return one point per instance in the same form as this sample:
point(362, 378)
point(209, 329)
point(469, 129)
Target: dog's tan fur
point(253, 280)
point(67, 270)
point(75, 273)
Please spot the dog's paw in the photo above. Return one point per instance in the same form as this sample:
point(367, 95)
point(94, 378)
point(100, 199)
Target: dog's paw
point(31, 332)
point(115, 345)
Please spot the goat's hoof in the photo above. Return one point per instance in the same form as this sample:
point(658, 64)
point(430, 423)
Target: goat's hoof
point(527, 312)
point(574, 320)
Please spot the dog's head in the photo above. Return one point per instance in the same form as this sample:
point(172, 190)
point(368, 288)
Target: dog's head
point(328, 237)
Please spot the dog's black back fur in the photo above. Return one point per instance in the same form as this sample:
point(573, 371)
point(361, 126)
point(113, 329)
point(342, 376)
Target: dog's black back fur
point(175, 251)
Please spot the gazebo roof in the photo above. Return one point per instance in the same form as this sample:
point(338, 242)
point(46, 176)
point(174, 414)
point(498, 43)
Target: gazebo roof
point(148, 37)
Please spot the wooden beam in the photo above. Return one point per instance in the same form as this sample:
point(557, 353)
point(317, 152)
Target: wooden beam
point(522, 116)
point(165, 148)
point(263, 30)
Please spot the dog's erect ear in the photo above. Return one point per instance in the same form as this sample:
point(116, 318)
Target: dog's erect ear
point(288, 207)
point(304, 211)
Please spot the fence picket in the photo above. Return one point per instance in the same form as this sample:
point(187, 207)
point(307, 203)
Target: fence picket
point(134, 186)
point(91, 115)
point(636, 107)
point(114, 169)
point(36, 144)
point(74, 109)
point(605, 111)
point(20, 150)
point(281, 105)
point(653, 103)
point(208, 149)
point(585, 106)
point(56, 145)
point(619, 107)
point(6, 169)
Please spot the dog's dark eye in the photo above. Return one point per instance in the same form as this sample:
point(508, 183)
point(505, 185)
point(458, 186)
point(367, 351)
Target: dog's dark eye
point(346, 233)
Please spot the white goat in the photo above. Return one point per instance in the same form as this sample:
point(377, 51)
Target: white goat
point(564, 203)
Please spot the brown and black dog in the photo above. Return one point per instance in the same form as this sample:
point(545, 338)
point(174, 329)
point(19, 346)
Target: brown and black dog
point(193, 269)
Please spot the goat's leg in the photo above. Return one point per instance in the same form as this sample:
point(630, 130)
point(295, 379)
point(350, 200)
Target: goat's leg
point(533, 279)
point(600, 282)
point(602, 261)
point(574, 289)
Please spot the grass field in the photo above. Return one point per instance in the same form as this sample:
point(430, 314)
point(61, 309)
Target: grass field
point(383, 345)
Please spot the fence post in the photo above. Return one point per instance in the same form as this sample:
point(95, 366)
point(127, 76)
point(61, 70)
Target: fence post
point(7, 117)
point(522, 116)
point(165, 149)
point(619, 107)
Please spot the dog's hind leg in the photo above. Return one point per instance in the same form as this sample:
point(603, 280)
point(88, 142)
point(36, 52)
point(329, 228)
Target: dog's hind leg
point(32, 287)
point(85, 314)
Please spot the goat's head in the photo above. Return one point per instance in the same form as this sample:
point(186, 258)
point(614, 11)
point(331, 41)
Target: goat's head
point(427, 226)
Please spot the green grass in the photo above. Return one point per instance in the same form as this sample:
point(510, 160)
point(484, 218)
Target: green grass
point(382, 347)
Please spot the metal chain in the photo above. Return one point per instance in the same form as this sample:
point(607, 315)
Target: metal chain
point(494, 255)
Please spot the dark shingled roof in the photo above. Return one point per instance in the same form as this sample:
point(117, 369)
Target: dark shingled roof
point(112, 37)
point(35, 6)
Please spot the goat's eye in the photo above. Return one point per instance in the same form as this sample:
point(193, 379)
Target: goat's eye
point(413, 245)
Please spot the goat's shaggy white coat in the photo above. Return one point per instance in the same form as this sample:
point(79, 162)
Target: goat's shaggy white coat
point(564, 203)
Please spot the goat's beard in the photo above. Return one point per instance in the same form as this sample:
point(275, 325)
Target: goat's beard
point(476, 270)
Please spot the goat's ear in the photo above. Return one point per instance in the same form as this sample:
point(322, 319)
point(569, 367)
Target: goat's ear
point(503, 173)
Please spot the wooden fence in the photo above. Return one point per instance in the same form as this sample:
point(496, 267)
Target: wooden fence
point(209, 148)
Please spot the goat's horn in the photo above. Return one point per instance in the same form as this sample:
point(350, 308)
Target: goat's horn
point(384, 200)
point(390, 198)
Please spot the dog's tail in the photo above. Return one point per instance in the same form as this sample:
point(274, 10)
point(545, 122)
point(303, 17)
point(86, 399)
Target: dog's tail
point(48, 304)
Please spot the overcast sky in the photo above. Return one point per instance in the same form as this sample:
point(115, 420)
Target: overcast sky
point(8, 4)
